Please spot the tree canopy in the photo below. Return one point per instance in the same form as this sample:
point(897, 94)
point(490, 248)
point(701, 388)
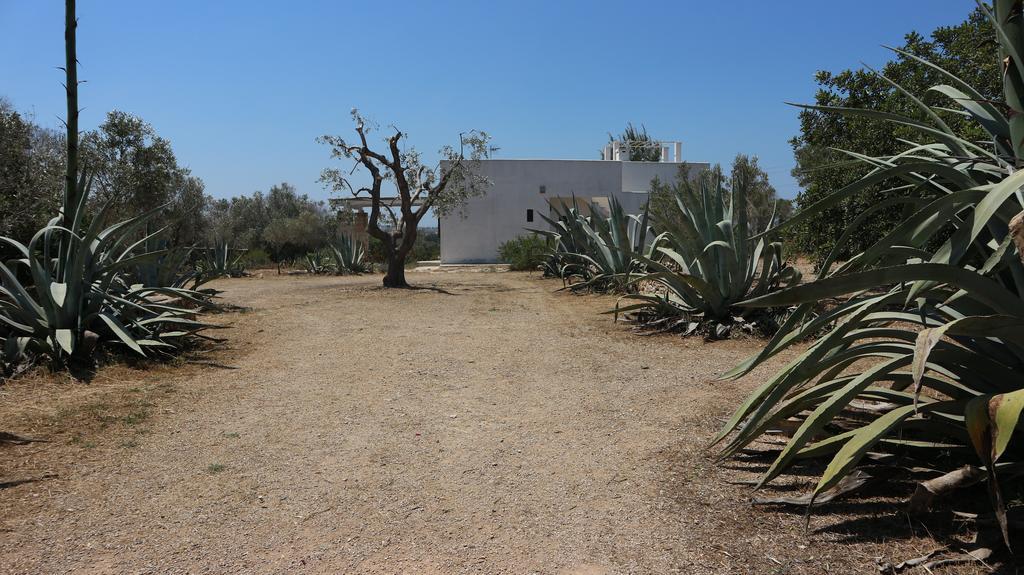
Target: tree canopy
point(764, 207)
point(966, 49)
point(31, 174)
point(134, 168)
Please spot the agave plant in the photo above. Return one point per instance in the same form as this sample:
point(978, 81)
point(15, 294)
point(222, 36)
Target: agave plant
point(220, 261)
point(927, 351)
point(568, 238)
point(705, 261)
point(78, 292)
point(593, 252)
point(171, 268)
point(349, 256)
point(318, 263)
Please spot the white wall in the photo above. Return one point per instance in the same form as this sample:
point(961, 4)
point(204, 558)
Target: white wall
point(501, 214)
point(637, 176)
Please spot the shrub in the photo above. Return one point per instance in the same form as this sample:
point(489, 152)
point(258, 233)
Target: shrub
point(525, 252)
point(255, 258)
point(426, 248)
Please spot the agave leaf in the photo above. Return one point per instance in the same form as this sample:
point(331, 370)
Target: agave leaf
point(826, 411)
point(991, 421)
point(983, 289)
point(862, 440)
point(65, 339)
point(121, 332)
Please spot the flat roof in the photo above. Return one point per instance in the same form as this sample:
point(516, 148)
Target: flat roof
point(582, 160)
point(366, 202)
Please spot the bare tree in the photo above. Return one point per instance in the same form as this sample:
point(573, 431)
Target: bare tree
point(444, 188)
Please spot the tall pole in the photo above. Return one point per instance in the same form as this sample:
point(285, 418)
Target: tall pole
point(71, 85)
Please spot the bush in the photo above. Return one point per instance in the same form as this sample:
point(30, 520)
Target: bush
point(426, 248)
point(256, 258)
point(525, 252)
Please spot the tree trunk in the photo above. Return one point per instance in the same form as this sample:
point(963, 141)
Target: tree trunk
point(395, 276)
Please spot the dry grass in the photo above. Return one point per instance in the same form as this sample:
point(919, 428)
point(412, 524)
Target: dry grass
point(487, 425)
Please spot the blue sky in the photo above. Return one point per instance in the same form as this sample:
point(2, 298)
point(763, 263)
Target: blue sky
point(242, 89)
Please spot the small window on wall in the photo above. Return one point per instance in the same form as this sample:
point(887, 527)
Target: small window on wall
point(529, 215)
point(543, 189)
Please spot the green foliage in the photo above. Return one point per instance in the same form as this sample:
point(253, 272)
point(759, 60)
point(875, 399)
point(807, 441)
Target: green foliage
point(318, 263)
point(31, 174)
point(75, 292)
point(926, 351)
point(427, 247)
point(133, 166)
point(709, 257)
point(524, 253)
point(219, 261)
point(764, 207)
point(966, 50)
point(349, 256)
point(593, 252)
point(281, 226)
point(255, 258)
point(287, 239)
point(640, 146)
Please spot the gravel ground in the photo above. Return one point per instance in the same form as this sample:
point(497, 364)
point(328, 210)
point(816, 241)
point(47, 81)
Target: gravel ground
point(487, 425)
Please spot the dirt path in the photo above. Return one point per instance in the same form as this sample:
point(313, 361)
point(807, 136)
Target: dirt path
point(495, 428)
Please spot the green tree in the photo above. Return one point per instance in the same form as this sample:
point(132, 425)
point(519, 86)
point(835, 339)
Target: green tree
point(287, 239)
point(239, 221)
point(31, 174)
point(285, 224)
point(966, 49)
point(762, 201)
point(134, 168)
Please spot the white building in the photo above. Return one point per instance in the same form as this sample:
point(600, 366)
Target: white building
point(522, 189)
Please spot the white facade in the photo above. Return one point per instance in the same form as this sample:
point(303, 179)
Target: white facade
point(521, 191)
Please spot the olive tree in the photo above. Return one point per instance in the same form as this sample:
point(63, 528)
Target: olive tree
point(31, 174)
point(132, 166)
point(443, 188)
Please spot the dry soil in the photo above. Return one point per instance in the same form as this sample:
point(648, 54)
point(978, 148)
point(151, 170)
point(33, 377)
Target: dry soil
point(485, 425)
